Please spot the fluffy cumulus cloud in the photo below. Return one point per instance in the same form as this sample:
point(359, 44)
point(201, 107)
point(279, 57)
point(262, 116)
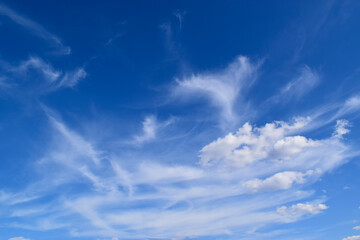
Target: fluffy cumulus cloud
point(302, 208)
point(222, 88)
point(254, 177)
point(251, 145)
point(277, 146)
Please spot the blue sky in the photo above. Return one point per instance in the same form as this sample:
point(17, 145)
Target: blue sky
point(179, 120)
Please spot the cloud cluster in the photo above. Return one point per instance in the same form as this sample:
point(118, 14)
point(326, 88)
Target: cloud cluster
point(176, 201)
point(249, 145)
point(247, 179)
point(276, 145)
point(302, 208)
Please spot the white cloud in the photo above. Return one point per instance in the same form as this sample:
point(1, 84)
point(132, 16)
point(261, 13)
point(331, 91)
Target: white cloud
point(155, 173)
point(282, 180)
point(42, 224)
point(300, 85)
point(19, 238)
point(302, 208)
point(49, 73)
point(356, 227)
point(35, 29)
point(250, 144)
point(341, 128)
point(180, 16)
point(26, 212)
point(72, 78)
point(277, 145)
point(223, 88)
point(149, 128)
point(56, 79)
point(352, 103)
point(48, 79)
point(77, 145)
point(289, 146)
point(357, 237)
point(180, 198)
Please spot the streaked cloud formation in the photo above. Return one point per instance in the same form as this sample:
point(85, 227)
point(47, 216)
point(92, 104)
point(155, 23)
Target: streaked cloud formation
point(158, 128)
point(47, 78)
point(304, 82)
point(222, 88)
point(35, 29)
point(179, 197)
point(301, 84)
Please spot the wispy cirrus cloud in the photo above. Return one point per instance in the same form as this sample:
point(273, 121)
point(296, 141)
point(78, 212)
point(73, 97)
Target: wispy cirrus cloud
point(337, 109)
point(150, 129)
point(222, 88)
point(35, 29)
point(306, 80)
point(179, 198)
point(303, 83)
point(281, 180)
point(180, 16)
point(38, 76)
point(351, 105)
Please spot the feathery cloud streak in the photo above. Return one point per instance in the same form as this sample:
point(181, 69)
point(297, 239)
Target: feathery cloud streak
point(36, 75)
point(305, 81)
point(222, 88)
point(35, 29)
point(179, 198)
